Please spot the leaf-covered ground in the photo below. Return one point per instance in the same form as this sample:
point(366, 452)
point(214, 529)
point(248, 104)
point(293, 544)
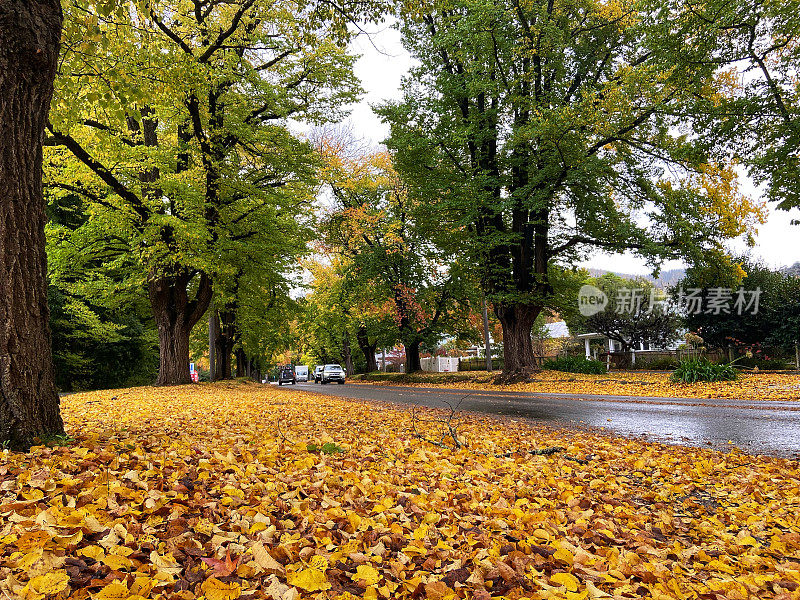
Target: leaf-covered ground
point(751, 386)
point(249, 491)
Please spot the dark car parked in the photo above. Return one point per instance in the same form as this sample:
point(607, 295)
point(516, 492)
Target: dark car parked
point(287, 376)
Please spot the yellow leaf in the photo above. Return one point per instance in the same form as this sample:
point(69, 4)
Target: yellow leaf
point(49, 584)
point(117, 562)
point(264, 560)
point(113, 591)
point(368, 574)
point(568, 580)
point(748, 540)
point(214, 589)
point(165, 564)
point(94, 552)
point(565, 555)
point(310, 580)
point(595, 593)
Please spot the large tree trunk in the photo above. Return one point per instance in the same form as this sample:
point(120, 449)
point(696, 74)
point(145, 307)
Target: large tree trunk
point(368, 349)
point(241, 363)
point(175, 315)
point(517, 321)
point(347, 354)
point(224, 339)
point(30, 31)
point(413, 362)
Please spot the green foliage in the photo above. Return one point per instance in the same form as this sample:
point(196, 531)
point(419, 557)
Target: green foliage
point(96, 348)
point(764, 364)
point(540, 131)
point(656, 364)
point(181, 151)
point(775, 324)
point(760, 118)
point(102, 336)
point(326, 448)
point(692, 370)
point(575, 364)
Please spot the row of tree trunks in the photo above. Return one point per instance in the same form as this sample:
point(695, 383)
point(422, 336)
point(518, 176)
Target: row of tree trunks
point(30, 31)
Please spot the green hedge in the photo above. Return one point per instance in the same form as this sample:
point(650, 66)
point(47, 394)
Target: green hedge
point(575, 364)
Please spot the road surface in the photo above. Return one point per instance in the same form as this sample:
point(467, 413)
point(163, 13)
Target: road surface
point(756, 427)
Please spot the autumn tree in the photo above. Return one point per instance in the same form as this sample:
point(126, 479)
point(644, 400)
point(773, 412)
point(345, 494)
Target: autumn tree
point(759, 47)
point(375, 224)
point(541, 131)
point(346, 310)
point(29, 46)
point(171, 122)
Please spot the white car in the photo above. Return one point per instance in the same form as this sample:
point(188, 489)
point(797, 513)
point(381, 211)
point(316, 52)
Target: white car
point(332, 373)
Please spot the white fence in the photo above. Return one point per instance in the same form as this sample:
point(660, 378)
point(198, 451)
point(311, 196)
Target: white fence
point(439, 364)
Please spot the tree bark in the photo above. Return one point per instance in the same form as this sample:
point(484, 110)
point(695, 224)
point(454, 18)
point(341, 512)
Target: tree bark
point(347, 353)
point(517, 321)
point(368, 349)
point(175, 315)
point(413, 362)
point(241, 363)
point(224, 339)
point(30, 31)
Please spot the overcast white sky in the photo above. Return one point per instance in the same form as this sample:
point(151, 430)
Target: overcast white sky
point(381, 67)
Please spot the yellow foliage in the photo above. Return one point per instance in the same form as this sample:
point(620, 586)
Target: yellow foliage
point(174, 480)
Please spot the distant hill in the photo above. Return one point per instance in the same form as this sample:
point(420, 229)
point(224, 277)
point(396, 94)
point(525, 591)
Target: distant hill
point(673, 276)
point(663, 281)
point(793, 270)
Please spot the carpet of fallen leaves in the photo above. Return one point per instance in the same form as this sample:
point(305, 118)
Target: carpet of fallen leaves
point(751, 386)
point(241, 490)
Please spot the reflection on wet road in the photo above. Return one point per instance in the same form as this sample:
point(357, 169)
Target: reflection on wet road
point(755, 427)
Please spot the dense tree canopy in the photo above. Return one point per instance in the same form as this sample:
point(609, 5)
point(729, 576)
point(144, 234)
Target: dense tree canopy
point(171, 121)
point(759, 44)
point(771, 320)
point(539, 131)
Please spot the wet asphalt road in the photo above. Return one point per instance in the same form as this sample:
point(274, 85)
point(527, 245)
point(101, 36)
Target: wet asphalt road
point(755, 427)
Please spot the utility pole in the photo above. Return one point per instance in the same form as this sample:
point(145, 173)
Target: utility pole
point(487, 341)
point(797, 355)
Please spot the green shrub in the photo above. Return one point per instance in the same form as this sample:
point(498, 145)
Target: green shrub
point(763, 364)
point(692, 370)
point(656, 364)
point(575, 364)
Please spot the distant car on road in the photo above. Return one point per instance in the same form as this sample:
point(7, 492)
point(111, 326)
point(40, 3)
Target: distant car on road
point(332, 373)
point(318, 373)
point(287, 376)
